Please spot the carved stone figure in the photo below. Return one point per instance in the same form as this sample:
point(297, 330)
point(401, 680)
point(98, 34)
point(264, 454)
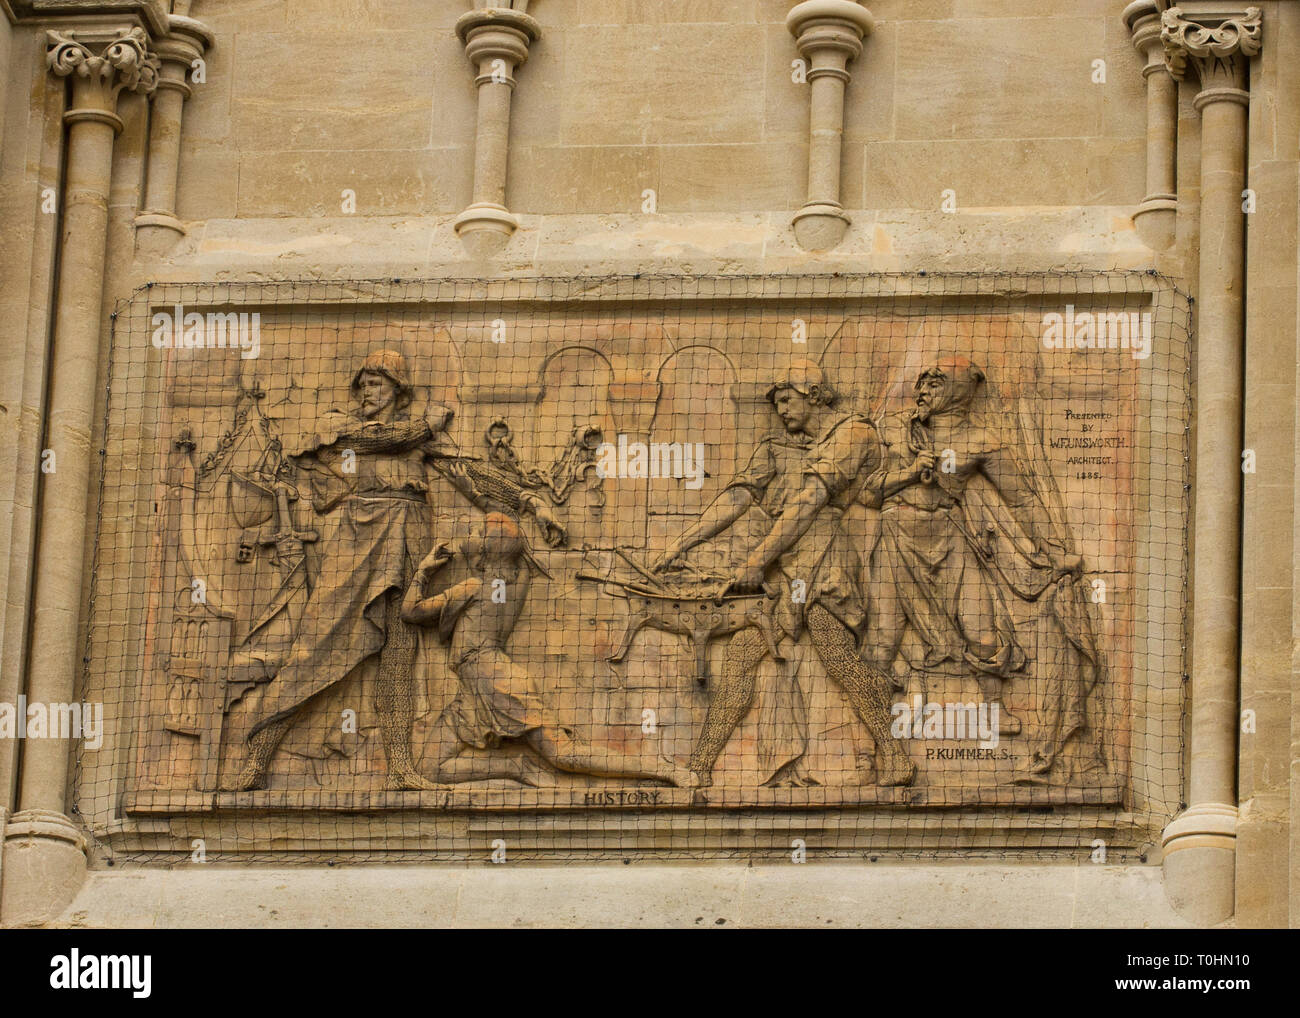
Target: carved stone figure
point(498, 699)
point(934, 570)
point(802, 480)
point(368, 473)
point(368, 481)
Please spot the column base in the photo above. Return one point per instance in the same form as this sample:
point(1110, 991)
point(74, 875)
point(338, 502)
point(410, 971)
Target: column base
point(1200, 856)
point(820, 226)
point(44, 867)
point(157, 232)
point(485, 228)
point(1156, 221)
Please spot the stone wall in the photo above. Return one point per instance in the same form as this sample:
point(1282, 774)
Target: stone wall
point(335, 140)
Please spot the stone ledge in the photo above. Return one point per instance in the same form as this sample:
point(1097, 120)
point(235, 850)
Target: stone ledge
point(150, 13)
point(1044, 238)
point(814, 894)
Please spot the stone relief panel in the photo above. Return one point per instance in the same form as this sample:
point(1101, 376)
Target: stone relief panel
point(894, 547)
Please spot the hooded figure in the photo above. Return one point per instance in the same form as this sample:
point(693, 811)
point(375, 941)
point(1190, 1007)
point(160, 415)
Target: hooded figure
point(944, 393)
point(948, 486)
point(961, 381)
point(929, 577)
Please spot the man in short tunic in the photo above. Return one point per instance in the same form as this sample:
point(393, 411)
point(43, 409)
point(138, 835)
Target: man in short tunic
point(802, 480)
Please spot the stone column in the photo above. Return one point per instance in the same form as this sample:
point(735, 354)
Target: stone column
point(1155, 217)
point(1200, 844)
point(829, 34)
point(496, 41)
point(157, 227)
point(44, 851)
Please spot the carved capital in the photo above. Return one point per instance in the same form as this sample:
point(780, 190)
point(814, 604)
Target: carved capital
point(186, 41)
point(1219, 47)
point(494, 34)
point(101, 67)
point(829, 34)
point(1142, 18)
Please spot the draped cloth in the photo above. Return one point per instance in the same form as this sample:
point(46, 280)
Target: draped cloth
point(928, 573)
point(368, 485)
point(372, 546)
point(497, 699)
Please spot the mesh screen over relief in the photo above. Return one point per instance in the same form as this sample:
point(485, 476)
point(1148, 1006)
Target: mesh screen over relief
point(624, 567)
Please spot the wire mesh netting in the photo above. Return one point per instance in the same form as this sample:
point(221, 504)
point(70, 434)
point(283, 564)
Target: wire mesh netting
point(670, 567)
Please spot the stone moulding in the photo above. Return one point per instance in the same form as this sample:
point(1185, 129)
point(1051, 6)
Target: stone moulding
point(149, 14)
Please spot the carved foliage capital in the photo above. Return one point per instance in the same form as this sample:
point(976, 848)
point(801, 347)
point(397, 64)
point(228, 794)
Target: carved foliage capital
point(1225, 44)
point(124, 61)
